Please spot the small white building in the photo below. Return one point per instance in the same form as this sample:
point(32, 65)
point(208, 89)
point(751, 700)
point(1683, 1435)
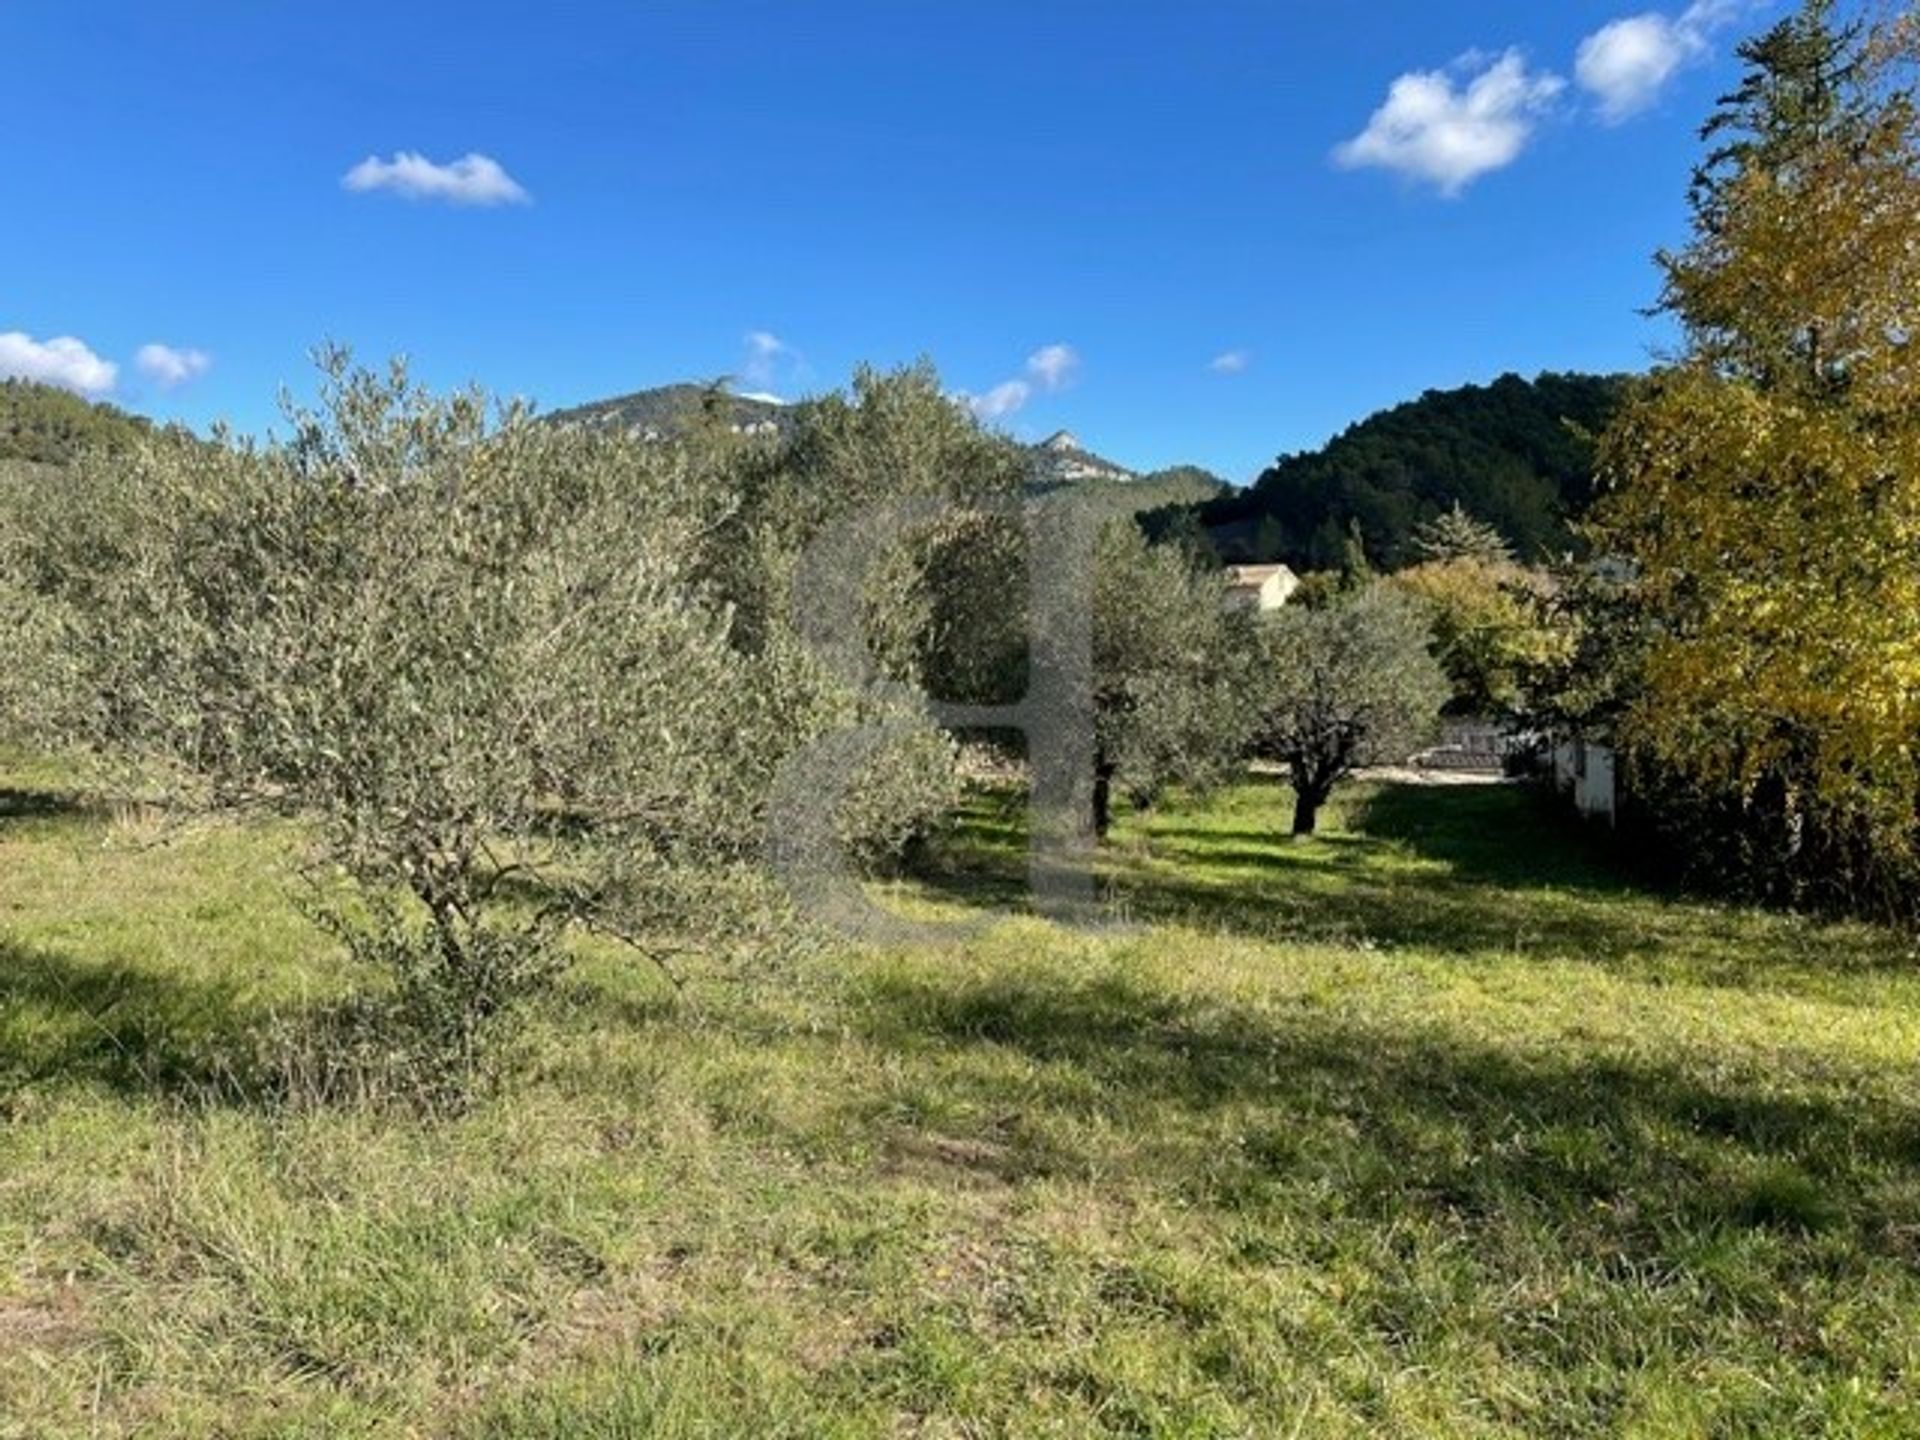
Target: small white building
point(1584, 770)
point(1260, 587)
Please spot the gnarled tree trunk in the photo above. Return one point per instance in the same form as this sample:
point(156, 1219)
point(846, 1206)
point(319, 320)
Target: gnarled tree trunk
point(1306, 808)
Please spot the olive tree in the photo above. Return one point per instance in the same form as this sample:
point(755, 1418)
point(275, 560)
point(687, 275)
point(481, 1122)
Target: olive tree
point(492, 665)
point(944, 593)
point(1167, 658)
point(1170, 665)
point(948, 598)
point(1344, 686)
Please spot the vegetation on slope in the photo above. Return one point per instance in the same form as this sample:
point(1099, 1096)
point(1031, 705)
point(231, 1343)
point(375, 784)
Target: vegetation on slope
point(1516, 454)
point(41, 424)
point(671, 410)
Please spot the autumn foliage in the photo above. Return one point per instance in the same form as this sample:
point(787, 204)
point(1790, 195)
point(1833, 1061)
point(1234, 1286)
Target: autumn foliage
point(1763, 491)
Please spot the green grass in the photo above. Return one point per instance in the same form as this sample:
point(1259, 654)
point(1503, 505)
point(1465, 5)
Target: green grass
point(1431, 1126)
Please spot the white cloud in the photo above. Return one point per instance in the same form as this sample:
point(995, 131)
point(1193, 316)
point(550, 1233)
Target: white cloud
point(1001, 401)
point(167, 366)
point(1053, 367)
point(1625, 65)
point(62, 361)
point(1230, 362)
point(1050, 368)
point(470, 180)
point(768, 358)
point(1450, 134)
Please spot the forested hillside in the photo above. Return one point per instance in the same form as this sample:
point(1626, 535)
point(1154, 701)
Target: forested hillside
point(1517, 454)
point(672, 409)
point(49, 425)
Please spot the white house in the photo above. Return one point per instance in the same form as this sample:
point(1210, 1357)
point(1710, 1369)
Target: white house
point(1260, 587)
point(1584, 770)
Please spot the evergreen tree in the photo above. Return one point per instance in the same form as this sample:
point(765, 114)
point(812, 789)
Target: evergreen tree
point(1269, 540)
point(1802, 127)
point(1456, 535)
point(1355, 571)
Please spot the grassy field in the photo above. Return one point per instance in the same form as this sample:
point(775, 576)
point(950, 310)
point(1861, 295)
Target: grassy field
point(1428, 1127)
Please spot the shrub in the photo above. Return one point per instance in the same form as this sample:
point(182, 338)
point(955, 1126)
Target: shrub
point(494, 665)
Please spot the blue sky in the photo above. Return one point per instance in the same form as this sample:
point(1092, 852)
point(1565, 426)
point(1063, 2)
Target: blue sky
point(1210, 230)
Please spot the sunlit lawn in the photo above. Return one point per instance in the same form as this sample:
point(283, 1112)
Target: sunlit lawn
point(1430, 1126)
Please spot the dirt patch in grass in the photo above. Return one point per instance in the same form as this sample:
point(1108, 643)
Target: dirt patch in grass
point(50, 1324)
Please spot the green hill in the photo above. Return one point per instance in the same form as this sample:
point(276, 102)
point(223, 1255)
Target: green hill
point(1517, 454)
point(43, 424)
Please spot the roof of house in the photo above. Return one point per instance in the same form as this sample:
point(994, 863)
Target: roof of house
point(1252, 577)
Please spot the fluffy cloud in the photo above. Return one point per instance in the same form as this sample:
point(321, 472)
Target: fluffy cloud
point(1053, 367)
point(62, 361)
point(1231, 362)
point(1450, 127)
point(167, 366)
point(1625, 65)
point(470, 180)
point(1001, 401)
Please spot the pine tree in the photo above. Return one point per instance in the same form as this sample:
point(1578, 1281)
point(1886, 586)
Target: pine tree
point(1456, 535)
point(1355, 570)
point(1802, 84)
point(1794, 210)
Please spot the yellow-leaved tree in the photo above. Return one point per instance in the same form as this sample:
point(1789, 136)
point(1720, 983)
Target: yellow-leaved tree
point(1764, 487)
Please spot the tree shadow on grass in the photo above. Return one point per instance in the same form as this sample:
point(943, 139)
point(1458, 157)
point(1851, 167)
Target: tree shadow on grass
point(1507, 835)
point(68, 1022)
point(1463, 871)
point(1500, 835)
point(70, 1025)
point(1409, 1120)
point(29, 805)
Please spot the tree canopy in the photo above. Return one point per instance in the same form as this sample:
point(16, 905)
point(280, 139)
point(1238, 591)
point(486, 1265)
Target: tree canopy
point(1487, 630)
point(1516, 455)
point(510, 677)
point(1456, 535)
point(1764, 489)
point(1346, 685)
point(1170, 669)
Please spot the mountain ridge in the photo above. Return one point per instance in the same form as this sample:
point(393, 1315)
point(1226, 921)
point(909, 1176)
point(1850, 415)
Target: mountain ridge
point(661, 411)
